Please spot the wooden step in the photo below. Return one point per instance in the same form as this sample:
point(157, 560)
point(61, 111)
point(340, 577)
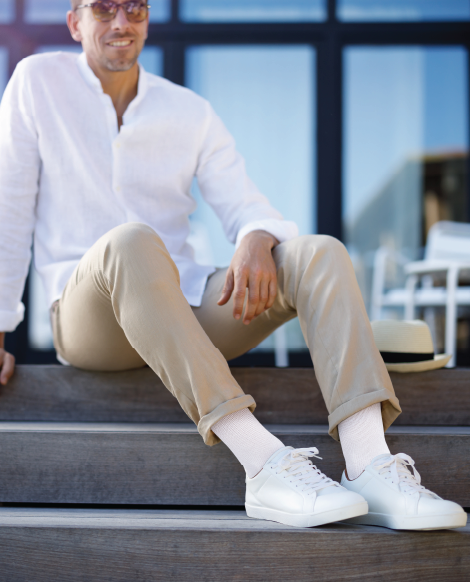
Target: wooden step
point(128, 545)
point(169, 464)
point(283, 396)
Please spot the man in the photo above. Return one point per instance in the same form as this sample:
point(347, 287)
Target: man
point(96, 161)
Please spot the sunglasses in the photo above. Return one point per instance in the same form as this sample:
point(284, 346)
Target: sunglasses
point(106, 10)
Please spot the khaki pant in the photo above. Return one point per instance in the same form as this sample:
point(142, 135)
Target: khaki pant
point(123, 308)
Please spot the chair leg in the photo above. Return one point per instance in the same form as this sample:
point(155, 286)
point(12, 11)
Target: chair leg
point(431, 319)
point(451, 316)
point(281, 353)
point(376, 312)
point(411, 283)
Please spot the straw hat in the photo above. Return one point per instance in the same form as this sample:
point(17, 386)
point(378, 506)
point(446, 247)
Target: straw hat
point(407, 346)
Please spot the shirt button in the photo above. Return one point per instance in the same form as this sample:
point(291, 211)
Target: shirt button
point(118, 188)
point(118, 145)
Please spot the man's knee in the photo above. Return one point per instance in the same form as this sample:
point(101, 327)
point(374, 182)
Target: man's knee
point(130, 234)
point(318, 245)
point(130, 238)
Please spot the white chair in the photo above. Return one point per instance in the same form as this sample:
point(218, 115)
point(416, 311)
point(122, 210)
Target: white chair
point(446, 263)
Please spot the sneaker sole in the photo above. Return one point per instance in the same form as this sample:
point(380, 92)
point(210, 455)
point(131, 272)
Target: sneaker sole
point(426, 523)
point(309, 520)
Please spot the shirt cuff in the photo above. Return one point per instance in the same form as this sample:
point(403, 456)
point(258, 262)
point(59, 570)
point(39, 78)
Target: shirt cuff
point(283, 230)
point(9, 320)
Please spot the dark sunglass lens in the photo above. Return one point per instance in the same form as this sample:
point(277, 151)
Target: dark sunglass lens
point(104, 11)
point(136, 11)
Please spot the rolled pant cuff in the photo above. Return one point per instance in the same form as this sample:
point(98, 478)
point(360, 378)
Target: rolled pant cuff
point(228, 407)
point(390, 409)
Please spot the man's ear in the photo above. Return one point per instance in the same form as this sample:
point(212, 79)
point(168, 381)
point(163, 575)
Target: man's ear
point(73, 24)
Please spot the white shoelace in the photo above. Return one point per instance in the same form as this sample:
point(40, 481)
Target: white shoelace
point(300, 469)
point(397, 467)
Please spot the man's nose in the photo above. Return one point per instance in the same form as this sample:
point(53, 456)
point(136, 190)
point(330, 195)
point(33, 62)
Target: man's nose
point(120, 21)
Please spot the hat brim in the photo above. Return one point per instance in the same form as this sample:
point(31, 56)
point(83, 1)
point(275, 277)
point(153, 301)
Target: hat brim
point(439, 361)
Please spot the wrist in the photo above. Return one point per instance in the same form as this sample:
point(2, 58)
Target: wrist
point(2, 340)
point(261, 237)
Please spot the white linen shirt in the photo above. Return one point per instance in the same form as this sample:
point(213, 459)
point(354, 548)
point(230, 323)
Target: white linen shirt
point(68, 175)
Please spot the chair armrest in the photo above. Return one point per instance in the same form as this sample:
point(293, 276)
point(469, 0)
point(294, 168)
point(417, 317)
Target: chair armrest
point(436, 266)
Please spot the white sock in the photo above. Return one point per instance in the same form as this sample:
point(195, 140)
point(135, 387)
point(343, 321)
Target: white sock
point(248, 440)
point(362, 438)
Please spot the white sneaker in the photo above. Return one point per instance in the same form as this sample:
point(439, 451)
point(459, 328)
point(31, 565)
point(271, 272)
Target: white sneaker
point(397, 499)
point(290, 490)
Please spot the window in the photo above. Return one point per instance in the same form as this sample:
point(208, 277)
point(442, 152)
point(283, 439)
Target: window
point(405, 148)
point(7, 11)
point(54, 11)
point(403, 10)
point(252, 10)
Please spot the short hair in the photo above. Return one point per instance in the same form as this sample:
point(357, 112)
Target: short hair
point(75, 3)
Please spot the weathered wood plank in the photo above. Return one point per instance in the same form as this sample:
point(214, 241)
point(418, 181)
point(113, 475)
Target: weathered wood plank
point(290, 395)
point(80, 549)
point(170, 465)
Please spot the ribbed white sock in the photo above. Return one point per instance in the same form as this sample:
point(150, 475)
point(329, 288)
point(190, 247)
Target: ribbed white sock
point(248, 440)
point(362, 438)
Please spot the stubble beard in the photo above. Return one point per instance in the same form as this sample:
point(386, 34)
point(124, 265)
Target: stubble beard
point(124, 63)
point(117, 65)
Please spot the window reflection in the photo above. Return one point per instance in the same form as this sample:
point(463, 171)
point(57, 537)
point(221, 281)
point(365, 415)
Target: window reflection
point(377, 10)
point(405, 149)
point(252, 10)
point(54, 11)
point(7, 11)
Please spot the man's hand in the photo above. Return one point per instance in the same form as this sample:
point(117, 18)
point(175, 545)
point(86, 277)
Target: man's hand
point(7, 362)
point(252, 266)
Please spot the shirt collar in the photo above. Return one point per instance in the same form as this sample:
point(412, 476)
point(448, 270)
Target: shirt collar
point(93, 81)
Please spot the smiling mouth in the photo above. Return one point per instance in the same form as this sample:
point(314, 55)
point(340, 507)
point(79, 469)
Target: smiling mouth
point(120, 43)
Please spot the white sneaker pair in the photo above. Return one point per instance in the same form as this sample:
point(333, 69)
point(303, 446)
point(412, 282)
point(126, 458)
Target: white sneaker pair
point(291, 490)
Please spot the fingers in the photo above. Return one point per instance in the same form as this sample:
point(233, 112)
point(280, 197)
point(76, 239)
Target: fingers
point(272, 292)
point(263, 296)
point(239, 292)
point(253, 298)
point(228, 288)
point(7, 366)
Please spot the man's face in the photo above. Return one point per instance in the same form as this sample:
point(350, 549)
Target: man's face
point(114, 45)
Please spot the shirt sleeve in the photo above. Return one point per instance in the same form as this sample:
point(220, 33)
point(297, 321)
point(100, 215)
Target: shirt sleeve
point(19, 176)
point(224, 184)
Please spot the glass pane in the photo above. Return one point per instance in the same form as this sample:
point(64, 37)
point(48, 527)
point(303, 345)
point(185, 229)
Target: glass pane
point(54, 11)
point(252, 10)
point(151, 58)
point(7, 10)
point(405, 150)
point(52, 48)
point(160, 11)
point(3, 69)
point(379, 10)
point(266, 98)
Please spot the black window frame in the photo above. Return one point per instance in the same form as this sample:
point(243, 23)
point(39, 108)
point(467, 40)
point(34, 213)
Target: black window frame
point(328, 37)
